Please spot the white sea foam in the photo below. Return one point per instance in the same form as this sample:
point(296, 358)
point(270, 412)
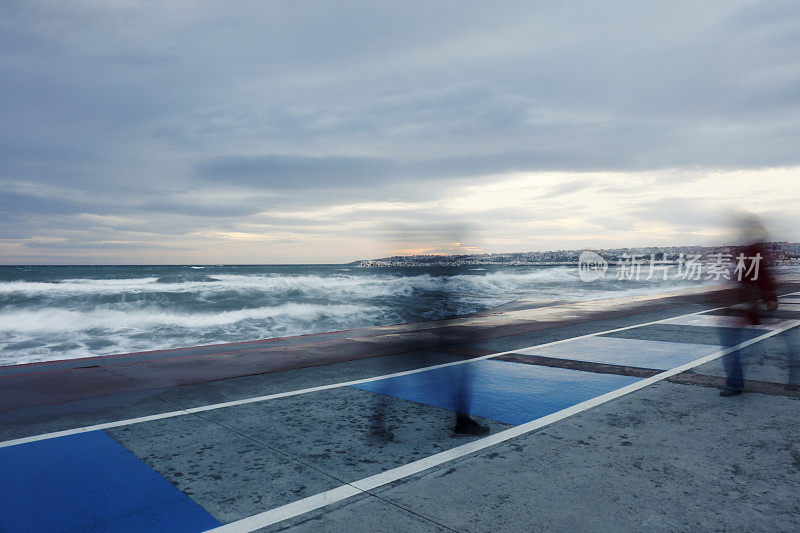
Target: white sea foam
point(355, 285)
point(55, 333)
point(366, 285)
point(78, 286)
point(56, 320)
point(78, 317)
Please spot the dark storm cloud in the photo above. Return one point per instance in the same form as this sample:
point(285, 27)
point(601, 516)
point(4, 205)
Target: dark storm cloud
point(299, 172)
point(13, 205)
point(288, 171)
point(97, 245)
point(127, 106)
point(207, 208)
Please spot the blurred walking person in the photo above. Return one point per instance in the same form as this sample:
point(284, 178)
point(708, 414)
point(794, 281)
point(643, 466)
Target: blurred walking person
point(755, 292)
point(457, 389)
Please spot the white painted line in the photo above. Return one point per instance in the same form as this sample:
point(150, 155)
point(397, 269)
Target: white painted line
point(367, 484)
point(211, 407)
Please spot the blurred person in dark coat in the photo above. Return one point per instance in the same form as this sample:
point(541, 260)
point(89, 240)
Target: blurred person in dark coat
point(754, 293)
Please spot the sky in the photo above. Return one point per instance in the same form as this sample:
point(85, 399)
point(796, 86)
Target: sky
point(321, 132)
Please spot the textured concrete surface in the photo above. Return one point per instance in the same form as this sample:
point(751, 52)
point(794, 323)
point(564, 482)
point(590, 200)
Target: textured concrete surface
point(228, 474)
point(671, 457)
point(666, 458)
point(106, 408)
point(259, 456)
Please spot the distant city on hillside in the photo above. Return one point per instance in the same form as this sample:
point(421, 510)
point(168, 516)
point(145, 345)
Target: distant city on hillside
point(779, 251)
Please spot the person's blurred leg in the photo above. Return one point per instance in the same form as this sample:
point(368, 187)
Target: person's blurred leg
point(731, 362)
point(793, 362)
point(378, 427)
point(465, 424)
point(462, 395)
point(733, 371)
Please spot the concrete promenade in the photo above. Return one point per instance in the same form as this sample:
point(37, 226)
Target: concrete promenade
point(604, 415)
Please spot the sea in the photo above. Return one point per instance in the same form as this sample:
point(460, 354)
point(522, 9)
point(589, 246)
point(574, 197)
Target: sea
point(63, 312)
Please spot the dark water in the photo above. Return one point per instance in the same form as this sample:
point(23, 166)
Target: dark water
point(58, 312)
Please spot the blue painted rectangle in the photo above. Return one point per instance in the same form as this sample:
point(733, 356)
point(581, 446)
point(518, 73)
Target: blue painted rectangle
point(513, 393)
point(89, 482)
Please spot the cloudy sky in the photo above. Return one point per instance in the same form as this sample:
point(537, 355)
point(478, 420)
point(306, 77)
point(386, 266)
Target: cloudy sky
point(290, 132)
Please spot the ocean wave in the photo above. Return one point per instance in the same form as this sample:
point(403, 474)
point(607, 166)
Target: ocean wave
point(76, 286)
point(351, 284)
point(56, 320)
point(185, 278)
point(151, 308)
point(55, 333)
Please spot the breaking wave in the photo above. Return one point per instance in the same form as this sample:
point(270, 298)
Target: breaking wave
point(51, 313)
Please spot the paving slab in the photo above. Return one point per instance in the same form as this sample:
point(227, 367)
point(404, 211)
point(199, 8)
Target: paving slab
point(773, 360)
point(373, 514)
point(499, 390)
point(39, 419)
point(724, 321)
point(686, 334)
point(667, 458)
point(551, 334)
point(228, 474)
point(330, 430)
point(780, 313)
point(625, 351)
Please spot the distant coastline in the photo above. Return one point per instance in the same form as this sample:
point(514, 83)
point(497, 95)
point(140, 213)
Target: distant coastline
point(780, 251)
